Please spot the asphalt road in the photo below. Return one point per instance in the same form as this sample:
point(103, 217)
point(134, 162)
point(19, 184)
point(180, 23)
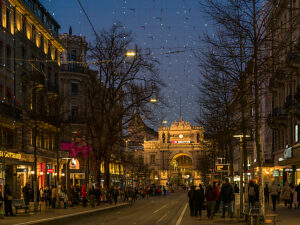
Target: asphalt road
point(154, 211)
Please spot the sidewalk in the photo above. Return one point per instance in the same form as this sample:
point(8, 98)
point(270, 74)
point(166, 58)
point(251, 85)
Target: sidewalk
point(48, 215)
point(285, 215)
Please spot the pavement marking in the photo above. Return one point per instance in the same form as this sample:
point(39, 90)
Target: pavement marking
point(181, 215)
point(68, 215)
point(159, 209)
point(162, 217)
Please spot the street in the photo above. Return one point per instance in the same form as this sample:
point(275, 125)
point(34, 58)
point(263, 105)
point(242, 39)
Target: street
point(171, 210)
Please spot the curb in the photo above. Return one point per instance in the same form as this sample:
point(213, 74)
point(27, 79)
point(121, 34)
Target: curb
point(54, 220)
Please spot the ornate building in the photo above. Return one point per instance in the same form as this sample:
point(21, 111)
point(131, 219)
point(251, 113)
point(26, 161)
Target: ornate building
point(173, 158)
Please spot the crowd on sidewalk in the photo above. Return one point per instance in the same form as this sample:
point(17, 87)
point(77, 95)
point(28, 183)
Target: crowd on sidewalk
point(214, 195)
point(56, 196)
point(290, 195)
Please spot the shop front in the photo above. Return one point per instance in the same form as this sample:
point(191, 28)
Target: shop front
point(291, 162)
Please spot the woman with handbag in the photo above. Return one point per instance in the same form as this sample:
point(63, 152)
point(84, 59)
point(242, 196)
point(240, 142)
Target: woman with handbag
point(7, 201)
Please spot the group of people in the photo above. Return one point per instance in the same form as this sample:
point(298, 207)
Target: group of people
point(214, 195)
point(290, 194)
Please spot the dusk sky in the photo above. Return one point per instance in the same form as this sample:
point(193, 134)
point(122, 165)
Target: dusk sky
point(170, 28)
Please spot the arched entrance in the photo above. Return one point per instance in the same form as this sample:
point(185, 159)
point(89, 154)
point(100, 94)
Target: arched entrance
point(181, 169)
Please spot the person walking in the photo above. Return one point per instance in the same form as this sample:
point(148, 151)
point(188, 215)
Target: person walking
point(53, 196)
point(226, 196)
point(26, 193)
point(252, 194)
point(274, 192)
point(115, 194)
point(211, 196)
point(83, 195)
point(298, 194)
point(279, 193)
point(286, 194)
point(218, 202)
point(267, 194)
point(199, 200)
point(191, 195)
point(7, 201)
point(92, 196)
point(294, 199)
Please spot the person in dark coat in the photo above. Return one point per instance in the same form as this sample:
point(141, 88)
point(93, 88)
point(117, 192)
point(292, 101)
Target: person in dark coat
point(191, 195)
point(298, 194)
point(26, 194)
point(211, 196)
point(227, 196)
point(7, 201)
point(199, 200)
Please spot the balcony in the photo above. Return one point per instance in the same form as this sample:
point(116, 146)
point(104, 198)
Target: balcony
point(72, 67)
point(10, 111)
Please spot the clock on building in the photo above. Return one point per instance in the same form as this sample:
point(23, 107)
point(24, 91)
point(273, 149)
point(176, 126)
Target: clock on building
point(180, 136)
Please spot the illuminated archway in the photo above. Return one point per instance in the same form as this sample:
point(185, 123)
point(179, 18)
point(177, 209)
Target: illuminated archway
point(181, 167)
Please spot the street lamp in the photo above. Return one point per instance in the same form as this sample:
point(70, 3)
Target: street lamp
point(130, 53)
point(241, 137)
point(153, 100)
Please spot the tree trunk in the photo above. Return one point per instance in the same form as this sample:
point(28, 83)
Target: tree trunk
point(106, 173)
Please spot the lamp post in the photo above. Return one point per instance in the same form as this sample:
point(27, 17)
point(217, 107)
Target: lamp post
point(241, 138)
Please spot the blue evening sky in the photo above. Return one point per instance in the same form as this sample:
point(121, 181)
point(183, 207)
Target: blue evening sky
point(170, 28)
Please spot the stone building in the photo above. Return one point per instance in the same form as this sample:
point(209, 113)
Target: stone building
point(173, 157)
point(30, 53)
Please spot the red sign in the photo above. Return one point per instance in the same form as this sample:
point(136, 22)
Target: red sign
point(50, 170)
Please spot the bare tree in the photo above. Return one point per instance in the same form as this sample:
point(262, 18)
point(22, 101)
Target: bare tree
point(123, 85)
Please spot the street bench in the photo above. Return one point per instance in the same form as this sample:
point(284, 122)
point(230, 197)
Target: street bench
point(20, 204)
point(274, 218)
point(254, 215)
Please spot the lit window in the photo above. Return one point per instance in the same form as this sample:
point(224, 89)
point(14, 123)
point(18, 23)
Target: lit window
point(38, 39)
point(28, 30)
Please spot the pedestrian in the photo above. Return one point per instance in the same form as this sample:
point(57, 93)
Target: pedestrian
point(92, 196)
point(47, 196)
point(7, 201)
point(227, 197)
point(83, 195)
point(199, 200)
point(66, 199)
point(211, 196)
point(256, 188)
point(54, 195)
point(279, 193)
point(98, 194)
point(267, 194)
point(252, 194)
point(286, 194)
point(298, 194)
point(26, 193)
point(274, 192)
point(115, 194)
point(191, 196)
point(236, 188)
point(294, 199)
point(218, 202)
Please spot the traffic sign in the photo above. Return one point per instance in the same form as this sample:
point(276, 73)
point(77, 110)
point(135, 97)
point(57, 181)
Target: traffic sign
point(222, 167)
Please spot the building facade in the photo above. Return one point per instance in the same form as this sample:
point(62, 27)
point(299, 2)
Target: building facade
point(30, 53)
point(173, 158)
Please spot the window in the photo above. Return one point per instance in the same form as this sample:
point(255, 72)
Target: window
point(74, 110)
point(8, 57)
point(152, 159)
point(7, 19)
point(296, 133)
point(74, 87)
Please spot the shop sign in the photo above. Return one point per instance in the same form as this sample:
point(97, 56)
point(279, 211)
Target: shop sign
point(276, 173)
point(22, 170)
point(10, 155)
point(288, 152)
point(77, 175)
point(180, 142)
point(50, 170)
